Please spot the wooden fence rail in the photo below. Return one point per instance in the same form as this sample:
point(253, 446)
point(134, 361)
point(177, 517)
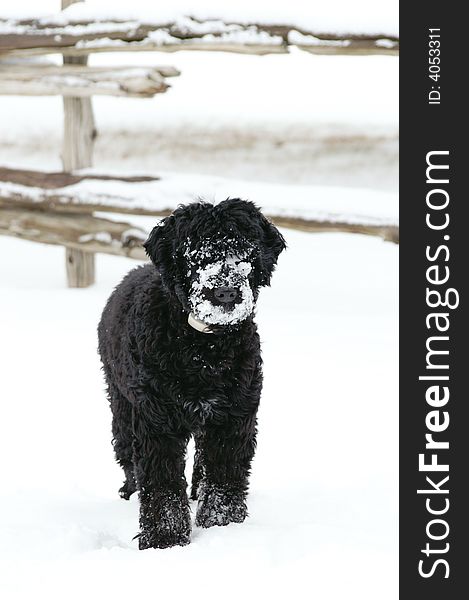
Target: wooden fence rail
point(64, 194)
point(83, 81)
point(45, 36)
point(82, 232)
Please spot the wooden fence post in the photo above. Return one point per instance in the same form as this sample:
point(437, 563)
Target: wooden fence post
point(77, 153)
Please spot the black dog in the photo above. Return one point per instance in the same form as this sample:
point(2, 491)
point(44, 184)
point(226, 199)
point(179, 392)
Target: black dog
point(181, 356)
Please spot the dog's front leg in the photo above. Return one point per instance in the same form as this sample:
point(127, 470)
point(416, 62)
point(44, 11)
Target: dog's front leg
point(227, 452)
point(159, 470)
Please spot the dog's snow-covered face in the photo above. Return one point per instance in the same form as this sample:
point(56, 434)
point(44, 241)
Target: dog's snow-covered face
point(214, 258)
point(220, 283)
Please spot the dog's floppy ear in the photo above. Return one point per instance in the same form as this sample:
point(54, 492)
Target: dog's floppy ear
point(272, 243)
point(160, 248)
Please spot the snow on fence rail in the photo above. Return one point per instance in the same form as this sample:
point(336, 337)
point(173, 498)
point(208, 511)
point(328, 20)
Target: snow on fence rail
point(49, 198)
point(83, 81)
point(84, 232)
point(52, 35)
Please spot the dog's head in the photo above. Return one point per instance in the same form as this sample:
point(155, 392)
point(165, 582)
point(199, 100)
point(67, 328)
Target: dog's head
point(214, 258)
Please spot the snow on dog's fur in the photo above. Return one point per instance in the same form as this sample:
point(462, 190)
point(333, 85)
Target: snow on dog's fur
point(231, 271)
point(168, 380)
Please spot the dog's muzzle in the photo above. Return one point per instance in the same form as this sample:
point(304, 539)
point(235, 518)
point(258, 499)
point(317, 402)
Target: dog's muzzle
point(221, 294)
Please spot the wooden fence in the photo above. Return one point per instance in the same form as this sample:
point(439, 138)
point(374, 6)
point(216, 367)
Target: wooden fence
point(41, 206)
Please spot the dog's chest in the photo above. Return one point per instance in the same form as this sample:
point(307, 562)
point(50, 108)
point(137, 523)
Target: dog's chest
point(207, 362)
point(206, 378)
point(205, 368)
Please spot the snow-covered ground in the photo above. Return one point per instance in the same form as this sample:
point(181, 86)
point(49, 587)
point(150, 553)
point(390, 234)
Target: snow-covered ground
point(323, 500)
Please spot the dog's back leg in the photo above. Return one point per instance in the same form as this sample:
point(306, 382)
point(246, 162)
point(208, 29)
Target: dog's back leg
point(122, 438)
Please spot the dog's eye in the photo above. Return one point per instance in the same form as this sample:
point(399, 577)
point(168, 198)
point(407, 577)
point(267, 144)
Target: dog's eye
point(234, 259)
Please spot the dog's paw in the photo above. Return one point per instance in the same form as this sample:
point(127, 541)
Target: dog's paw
point(127, 490)
point(162, 538)
point(164, 522)
point(220, 505)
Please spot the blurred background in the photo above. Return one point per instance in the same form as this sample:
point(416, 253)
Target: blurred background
point(296, 117)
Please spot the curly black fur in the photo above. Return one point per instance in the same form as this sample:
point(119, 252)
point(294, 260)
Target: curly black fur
point(168, 381)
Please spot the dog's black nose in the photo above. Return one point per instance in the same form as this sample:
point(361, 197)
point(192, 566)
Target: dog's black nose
point(225, 294)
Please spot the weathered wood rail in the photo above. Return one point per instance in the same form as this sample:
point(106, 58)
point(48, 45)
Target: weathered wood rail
point(77, 195)
point(83, 81)
point(83, 232)
point(45, 36)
